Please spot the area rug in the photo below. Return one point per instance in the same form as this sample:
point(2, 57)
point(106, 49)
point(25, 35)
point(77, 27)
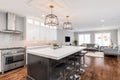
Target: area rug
point(95, 54)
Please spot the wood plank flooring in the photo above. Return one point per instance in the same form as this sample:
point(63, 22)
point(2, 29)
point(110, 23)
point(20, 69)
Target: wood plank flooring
point(107, 68)
point(18, 74)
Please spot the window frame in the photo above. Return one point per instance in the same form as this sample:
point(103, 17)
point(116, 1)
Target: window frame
point(102, 37)
point(84, 38)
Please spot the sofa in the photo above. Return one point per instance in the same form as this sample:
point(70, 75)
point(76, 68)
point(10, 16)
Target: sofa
point(102, 48)
point(92, 47)
point(111, 51)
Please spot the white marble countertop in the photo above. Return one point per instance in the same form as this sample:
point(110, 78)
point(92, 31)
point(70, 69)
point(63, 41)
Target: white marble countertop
point(37, 47)
point(57, 54)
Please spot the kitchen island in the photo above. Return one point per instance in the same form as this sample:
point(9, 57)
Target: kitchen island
point(42, 61)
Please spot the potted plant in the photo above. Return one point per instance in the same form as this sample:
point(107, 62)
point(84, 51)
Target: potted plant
point(75, 42)
point(55, 45)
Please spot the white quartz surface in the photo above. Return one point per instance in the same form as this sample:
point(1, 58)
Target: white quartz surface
point(37, 47)
point(49, 52)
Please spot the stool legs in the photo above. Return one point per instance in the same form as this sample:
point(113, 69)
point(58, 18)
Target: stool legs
point(75, 76)
point(84, 64)
point(80, 69)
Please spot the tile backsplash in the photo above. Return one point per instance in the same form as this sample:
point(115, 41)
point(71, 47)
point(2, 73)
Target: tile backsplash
point(11, 38)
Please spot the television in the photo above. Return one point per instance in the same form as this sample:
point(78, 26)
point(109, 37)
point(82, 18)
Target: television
point(67, 38)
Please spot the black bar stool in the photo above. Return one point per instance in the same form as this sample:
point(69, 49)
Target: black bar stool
point(79, 56)
point(84, 53)
point(74, 76)
point(61, 67)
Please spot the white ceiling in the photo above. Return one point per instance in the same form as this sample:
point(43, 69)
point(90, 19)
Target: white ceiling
point(84, 14)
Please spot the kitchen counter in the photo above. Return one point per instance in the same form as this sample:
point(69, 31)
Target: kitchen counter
point(57, 54)
point(42, 61)
point(22, 46)
point(5, 48)
point(37, 47)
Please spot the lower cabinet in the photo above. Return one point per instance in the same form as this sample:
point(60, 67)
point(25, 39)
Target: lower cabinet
point(40, 68)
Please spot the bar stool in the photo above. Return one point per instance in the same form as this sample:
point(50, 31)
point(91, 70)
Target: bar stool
point(84, 53)
point(79, 56)
point(65, 68)
point(62, 68)
point(74, 70)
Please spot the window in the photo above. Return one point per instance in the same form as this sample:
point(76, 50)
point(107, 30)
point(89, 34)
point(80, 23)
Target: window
point(103, 39)
point(84, 38)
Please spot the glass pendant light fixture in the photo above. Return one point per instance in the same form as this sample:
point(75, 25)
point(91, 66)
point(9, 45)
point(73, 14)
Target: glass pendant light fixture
point(51, 19)
point(67, 24)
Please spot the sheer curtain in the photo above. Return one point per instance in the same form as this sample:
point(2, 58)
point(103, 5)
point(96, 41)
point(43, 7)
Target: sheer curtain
point(84, 38)
point(103, 39)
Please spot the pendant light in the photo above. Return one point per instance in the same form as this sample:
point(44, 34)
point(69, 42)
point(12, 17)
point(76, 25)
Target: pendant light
point(51, 19)
point(67, 24)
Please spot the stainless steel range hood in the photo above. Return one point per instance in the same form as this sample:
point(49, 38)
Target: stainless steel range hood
point(11, 24)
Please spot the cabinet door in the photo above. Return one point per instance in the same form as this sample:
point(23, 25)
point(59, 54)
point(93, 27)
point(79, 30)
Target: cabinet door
point(38, 68)
point(36, 31)
point(20, 23)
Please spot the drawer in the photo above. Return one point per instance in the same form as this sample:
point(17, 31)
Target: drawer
point(14, 65)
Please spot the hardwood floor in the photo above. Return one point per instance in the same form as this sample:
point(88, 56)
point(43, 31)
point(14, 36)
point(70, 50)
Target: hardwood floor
point(18, 74)
point(107, 68)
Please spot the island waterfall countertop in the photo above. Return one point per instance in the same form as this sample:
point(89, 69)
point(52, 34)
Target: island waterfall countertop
point(57, 54)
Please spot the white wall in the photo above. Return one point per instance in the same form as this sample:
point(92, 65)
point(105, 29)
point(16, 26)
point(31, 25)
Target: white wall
point(119, 36)
point(61, 36)
point(0, 61)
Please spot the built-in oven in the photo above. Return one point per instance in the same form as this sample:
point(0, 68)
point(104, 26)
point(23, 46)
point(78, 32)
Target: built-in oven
point(8, 60)
point(14, 58)
point(19, 57)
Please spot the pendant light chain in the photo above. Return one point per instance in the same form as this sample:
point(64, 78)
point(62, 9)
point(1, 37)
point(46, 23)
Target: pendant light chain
point(67, 18)
point(51, 6)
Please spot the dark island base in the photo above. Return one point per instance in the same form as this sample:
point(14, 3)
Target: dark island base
point(40, 68)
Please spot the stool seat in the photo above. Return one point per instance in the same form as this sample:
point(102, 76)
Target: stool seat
point(73, 59)
point(61, 65)
point(84, 52)
point(79, 55)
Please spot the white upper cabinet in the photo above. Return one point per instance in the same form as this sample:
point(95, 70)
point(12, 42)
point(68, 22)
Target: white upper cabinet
point(36, 31)
point(20, 23)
